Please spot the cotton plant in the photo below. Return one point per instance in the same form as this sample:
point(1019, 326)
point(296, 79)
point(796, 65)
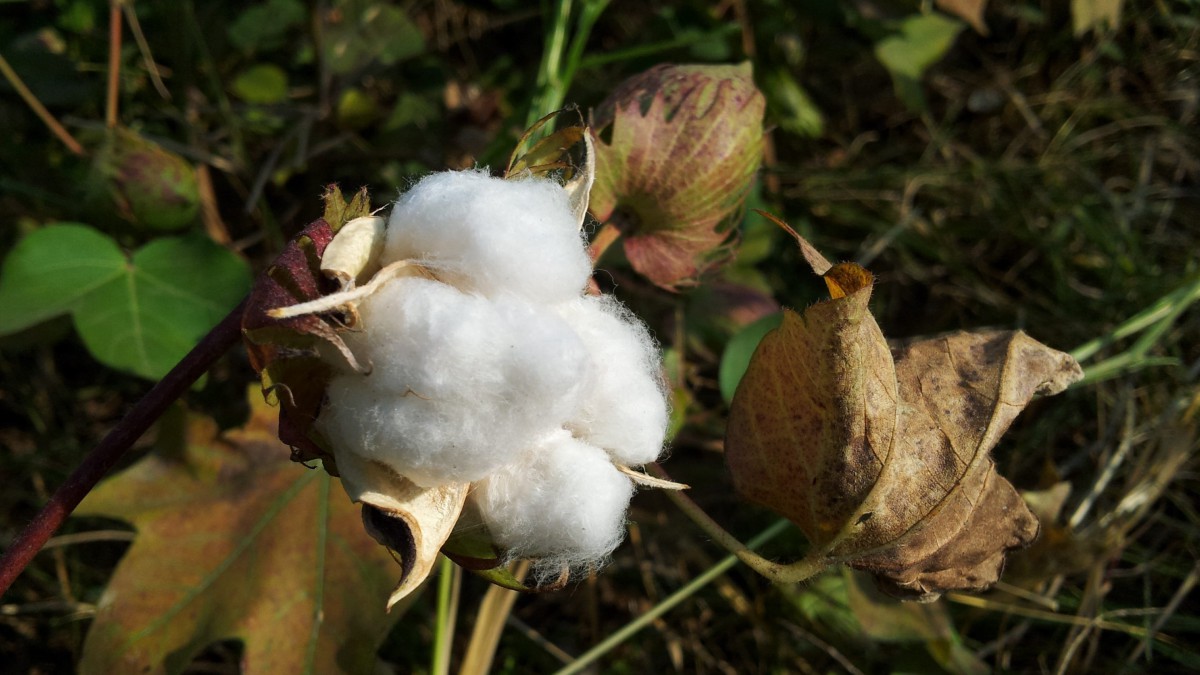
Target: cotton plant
point(469, 376)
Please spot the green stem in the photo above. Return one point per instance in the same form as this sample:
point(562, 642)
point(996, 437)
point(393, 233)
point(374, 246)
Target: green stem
point(557, 71)
point(447, 606)
point(791, 573)
point(607, 645)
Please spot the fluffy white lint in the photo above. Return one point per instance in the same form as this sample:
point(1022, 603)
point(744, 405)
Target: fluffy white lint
point(492, 235)
point(626, 411)
point(563, 504)
point(499, 371)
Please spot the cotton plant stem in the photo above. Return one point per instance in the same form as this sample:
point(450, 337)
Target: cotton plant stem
point(609, 643)
point(38, 109)
point(114, 63)
point(490, 620)
point(449, 586)
point(606, 236)
point(101, 459)
point(791, 573)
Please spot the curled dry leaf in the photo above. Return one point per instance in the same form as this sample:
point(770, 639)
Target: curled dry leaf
point(881, 454)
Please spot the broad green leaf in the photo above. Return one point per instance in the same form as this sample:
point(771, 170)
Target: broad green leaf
point(160, 304)
point(235, 541)
point(918, 42)
point(263, 84)
point(738, 352)
point(48, 272)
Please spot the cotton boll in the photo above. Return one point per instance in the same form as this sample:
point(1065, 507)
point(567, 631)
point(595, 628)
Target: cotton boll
point(431, 339)
point(491, 235)
point(548, 366)
point(459, 384)
point(564, 504)
point(625, 412)
point(429, 442)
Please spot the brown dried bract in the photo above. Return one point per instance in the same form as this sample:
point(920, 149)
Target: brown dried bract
point(881, 454)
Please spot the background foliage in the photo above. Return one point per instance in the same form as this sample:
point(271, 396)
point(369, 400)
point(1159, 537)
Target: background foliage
point(1028, 164)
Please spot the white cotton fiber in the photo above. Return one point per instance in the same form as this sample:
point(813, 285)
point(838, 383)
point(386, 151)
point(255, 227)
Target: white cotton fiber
point(491, 235)
point(563, 504)
point(500, 372)
point(459, 384)
point(626, 410)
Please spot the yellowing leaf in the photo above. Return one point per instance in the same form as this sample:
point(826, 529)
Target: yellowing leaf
point(237, 542)
point(881, 454)
point(970, 11)
point(1095, 14)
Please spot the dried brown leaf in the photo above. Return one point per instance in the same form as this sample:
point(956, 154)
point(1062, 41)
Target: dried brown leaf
point(237, 542)
point(880, 454)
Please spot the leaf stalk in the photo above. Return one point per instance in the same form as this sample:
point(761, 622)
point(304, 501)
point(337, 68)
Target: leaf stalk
point(789, 573)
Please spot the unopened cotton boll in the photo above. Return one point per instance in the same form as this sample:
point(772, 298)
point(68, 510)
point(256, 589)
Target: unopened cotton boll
point(626, 410)
point(563, 504)
point(491, 235)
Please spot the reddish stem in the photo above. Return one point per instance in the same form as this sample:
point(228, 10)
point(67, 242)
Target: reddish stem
point(605, 237)
point(101, 459)
point(114, 63)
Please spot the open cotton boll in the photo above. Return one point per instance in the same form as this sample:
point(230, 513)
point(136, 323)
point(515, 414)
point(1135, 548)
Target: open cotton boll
point(429, 442)
point(431, 339)
point(563, 504)
point(491, 235)
point(625, 412)
point(438, 343)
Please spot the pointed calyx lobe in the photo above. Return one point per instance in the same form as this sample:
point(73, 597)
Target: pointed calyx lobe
point(881, 454)
point(677, 149)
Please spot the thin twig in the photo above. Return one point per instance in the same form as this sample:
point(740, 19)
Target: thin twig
point(114, 63)
point(139, 37)
point(59, 131)
point(102, 457)
point(790, 573)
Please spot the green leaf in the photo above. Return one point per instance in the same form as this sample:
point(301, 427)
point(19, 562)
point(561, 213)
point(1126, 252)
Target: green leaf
point(147, 318)
point(356, 110)
point(793, 107)
point(370, 32)
point(48, 272)
point(736, 357)
point(262, 84)
point(262, 27)
point(918, 42)
point(235, 541)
